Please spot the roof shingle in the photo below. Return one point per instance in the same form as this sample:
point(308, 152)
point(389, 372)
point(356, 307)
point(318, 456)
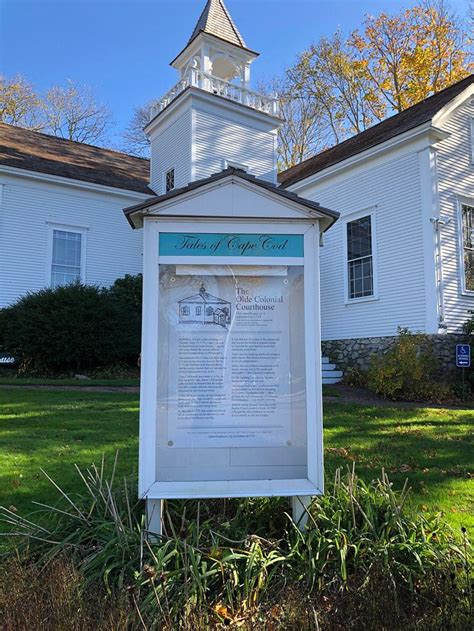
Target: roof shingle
point(215, 20)
point(33, 151)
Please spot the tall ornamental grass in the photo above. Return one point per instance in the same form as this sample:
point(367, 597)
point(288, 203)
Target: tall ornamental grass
point(362, 555)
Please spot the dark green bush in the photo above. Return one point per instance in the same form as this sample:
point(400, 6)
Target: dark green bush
point(126, 294)
point(407, 371)
point(75, 327)
point(70, 327)
point(468, 326)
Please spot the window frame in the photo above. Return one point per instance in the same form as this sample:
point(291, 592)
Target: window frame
point(82, 230)
point(172, 167)
point(366, 212)
point(471, 138)
point(462, 201)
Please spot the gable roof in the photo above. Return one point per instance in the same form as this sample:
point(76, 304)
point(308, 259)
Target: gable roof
point(142, 207)
point(215, 20)
point(414, 116)
point(203, 297)
point(33, 151)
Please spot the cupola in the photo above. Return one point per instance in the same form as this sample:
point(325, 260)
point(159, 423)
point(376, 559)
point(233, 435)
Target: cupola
point(216, 47)
point(211, 119)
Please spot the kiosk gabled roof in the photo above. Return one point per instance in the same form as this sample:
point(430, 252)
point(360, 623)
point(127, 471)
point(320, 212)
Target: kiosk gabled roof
point(142, 208)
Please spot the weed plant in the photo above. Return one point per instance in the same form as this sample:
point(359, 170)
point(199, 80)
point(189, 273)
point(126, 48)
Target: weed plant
point(361, 562)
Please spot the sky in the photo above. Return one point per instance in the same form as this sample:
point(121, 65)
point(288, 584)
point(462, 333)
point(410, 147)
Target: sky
point(122, 48)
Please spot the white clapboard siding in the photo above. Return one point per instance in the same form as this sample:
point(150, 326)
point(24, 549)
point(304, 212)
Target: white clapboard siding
point(28, 210)
point(217, 138)
point(393, 187)
point(455, 178)
point(171, 148)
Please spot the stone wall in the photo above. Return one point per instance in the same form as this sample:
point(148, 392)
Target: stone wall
point(356, 353)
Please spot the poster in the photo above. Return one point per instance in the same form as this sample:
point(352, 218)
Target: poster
point(228, 343)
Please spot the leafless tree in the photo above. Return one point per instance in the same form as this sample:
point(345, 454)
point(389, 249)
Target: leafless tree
point(73, 112)
point(135, 141)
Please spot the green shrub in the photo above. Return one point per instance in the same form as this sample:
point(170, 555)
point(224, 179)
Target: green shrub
point(75, 327)
point(407, 370)
point(355, 378)
point(468, 326)
point(126, 294)
point(70, 327)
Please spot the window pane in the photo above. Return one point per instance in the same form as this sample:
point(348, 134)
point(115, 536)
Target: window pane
point(469, 269)
point(66, 257)
point(361, 282)
point(468, 246)
point(169, 180)
point(468, 226)
point(359, 241)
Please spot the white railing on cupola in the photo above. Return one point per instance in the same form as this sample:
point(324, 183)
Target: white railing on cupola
point(213, 85)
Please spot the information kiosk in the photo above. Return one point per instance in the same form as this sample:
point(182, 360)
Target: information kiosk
point(231, 402)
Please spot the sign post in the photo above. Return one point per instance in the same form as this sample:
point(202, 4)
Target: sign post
point(231, 384)
point(463, 355)
point(463, 360)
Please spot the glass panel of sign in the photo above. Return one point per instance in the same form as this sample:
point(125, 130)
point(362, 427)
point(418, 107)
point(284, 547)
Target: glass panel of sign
point(232, 393)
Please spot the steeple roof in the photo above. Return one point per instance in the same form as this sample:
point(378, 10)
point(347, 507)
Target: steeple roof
point(215, 20)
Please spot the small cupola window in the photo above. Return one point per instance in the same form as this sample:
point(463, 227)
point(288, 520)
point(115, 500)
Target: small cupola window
point(169, 180)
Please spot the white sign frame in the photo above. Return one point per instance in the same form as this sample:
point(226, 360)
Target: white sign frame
point(314, 483)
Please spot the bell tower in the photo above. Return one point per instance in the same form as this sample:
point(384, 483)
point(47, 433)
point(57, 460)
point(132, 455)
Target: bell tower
point(211, 119)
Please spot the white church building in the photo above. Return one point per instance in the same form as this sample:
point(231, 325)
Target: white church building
point(400, 255)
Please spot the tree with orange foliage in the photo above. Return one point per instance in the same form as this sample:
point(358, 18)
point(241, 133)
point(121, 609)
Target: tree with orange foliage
point(411, 55)
point(393, 62)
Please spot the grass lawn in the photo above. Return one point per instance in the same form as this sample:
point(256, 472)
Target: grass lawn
point(32, 381)
point(53, 430)
point(328, 391)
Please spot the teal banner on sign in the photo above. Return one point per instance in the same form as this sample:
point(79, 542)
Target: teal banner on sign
point(231, 244)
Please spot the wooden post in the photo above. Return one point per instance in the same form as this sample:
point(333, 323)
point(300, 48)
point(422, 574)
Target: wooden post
point(154, 517)
point(299, 507)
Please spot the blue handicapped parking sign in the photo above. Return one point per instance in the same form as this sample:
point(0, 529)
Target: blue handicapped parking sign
point(463, 355)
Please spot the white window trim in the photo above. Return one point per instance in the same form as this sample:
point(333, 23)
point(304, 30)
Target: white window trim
point(49, 256)
point(370, 211)
point(462, 201)
point(472, 138)
point(169, 168)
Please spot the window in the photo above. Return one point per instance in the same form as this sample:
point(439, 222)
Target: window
point(66, 259)
point(185, 311)
point(360, 268)
point(169, 180)
point(198, 310)
point(467, 244)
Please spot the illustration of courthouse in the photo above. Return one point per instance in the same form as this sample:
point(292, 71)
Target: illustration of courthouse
point(204, 308)
point(400, 255)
